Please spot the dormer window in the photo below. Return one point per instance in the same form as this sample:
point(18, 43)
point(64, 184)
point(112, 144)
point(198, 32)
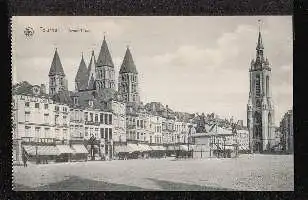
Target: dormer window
point(36, 90)
point(91, 103)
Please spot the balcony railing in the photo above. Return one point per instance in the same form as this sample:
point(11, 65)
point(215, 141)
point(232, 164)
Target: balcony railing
point(92, 123)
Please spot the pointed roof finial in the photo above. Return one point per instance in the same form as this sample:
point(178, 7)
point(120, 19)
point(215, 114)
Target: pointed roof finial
point(259, 21)
point(82, 55)
point(260, 44)
point(104, 35)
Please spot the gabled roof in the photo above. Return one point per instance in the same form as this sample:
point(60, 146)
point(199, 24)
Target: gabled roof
point(56, 66)
point(104, 58)
point(128, 65)
point(82, 75)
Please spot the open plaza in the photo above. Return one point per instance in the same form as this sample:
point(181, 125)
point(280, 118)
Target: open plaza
point(253, 172)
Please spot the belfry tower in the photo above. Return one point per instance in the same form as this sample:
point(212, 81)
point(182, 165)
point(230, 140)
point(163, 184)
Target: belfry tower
point(57, 81)
point(128, 79)
point(260, 108)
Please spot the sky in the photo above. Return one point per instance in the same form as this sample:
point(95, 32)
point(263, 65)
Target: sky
point(192, 64)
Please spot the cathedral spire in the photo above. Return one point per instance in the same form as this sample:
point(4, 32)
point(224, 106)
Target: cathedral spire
point(56, 66)
point(82, 75)
point(128, 65)
point(104, 58)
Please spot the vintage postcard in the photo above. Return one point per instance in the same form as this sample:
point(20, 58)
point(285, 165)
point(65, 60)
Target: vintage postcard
point(152, 103)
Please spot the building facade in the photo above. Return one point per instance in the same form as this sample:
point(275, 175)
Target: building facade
point(97, 119)
point(260, 107)
point(286, 129)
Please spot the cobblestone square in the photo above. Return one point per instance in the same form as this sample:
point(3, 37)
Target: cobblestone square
point(248, 173)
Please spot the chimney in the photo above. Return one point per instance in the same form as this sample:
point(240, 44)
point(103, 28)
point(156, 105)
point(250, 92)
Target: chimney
point(43, 89)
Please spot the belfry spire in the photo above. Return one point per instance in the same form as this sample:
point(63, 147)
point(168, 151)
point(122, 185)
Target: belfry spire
point(259, 48)
point(260, 43)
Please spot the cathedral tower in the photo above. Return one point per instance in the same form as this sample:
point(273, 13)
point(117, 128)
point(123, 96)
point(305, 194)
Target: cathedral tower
point(57, 81)
point(260, 108)
point(128, 79)
point(105, 74)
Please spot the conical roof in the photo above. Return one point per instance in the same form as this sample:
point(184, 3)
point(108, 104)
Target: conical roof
point(128, 65)
point(104, 58)
point(91, 69)
point(82, 75)
point(56, 66)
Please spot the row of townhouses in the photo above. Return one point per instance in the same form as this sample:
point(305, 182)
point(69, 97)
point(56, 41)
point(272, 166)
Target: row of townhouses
point(95, 121)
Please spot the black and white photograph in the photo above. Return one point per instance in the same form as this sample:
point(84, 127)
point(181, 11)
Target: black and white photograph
point(164, 103)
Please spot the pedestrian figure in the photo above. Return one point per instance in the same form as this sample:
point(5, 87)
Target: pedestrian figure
point(24, 158)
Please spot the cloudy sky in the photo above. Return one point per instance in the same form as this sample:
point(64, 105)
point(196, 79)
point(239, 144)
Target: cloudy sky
point(192, 64)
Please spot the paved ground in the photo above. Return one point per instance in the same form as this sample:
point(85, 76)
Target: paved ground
point(249, 172)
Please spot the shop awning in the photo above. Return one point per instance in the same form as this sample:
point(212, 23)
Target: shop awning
point(41, 150)
point(144, 147)
point(64, 149)
point(157, 148)
point(183, 147)
point(79, 148)
point(121, 149)
point(133, 148)
point(172, 148)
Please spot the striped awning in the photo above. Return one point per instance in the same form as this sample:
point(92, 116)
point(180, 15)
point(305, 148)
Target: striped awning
point(64, 149)
point(79, 148)
point(41, 150)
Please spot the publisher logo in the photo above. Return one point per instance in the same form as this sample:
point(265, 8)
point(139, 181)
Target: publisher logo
point(29, 32)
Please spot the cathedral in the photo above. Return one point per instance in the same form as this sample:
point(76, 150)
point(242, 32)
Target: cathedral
point(260, 108)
